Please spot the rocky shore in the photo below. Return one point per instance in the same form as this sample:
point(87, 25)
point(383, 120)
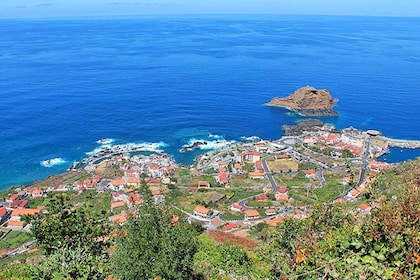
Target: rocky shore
point(301, 127)
point(308, 101)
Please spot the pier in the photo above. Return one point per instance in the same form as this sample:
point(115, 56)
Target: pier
point(401, 143)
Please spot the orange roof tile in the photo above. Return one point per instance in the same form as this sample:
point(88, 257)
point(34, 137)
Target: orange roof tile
point(201, 209)
point(275, 221)
point(252, 213)
point(117, 182)
point(14, 223)
point(117, 204)
point(13, 197)
point(24, 211)
point(364, 206)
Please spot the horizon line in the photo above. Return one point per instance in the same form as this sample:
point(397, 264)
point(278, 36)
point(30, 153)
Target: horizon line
point(122, 16)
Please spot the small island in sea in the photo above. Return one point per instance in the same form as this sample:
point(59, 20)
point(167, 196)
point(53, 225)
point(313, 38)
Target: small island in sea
point(308, 101)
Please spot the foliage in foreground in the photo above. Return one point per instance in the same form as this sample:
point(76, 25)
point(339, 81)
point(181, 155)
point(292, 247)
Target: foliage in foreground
point(329, 244)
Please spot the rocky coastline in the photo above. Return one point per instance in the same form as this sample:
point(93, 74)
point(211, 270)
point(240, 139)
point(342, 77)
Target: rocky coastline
point(308, 101)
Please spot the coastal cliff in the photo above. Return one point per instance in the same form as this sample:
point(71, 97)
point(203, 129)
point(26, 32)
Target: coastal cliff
point(308, 101)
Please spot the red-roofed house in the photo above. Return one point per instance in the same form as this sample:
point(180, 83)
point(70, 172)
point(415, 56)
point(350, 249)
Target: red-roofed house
point(117, 185)
point(4, 214)
point(365, 208)
point(154, 170)
point(223, 178)
point(236, 207)
point(202, 211)
point(261, 197)
point(203, 185)
point(237, 168)
point(230, 227)
point(281, 197)
point(310, 173)
point(117, 204)
point(135, 199)
point(256, 175)
point(132, 181)
point(274, 222)
point(283, 190)
point(22, 204)
point(13, 197)
point(270, 212)
point(332, 138)
point(252, 215)
point(36, 193)
point(16, 217)
point(120, 219)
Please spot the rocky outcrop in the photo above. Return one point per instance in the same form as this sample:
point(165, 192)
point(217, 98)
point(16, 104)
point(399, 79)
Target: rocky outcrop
point(303, 126)
point(308, 101)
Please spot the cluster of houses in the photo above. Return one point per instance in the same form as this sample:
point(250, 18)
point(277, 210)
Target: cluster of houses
point(14, 208)
point(337, 141)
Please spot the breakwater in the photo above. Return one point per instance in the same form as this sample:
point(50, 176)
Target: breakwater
point(401, 143)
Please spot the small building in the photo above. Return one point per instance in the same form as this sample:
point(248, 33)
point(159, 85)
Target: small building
point(256, 175)
point(283, 190)
point(252, 215)
point(230, 227)
point(261, 197)
point(365, 208)
point(250, 156)
point(16, 221)
point(236, 207)
point(203, 185)
point(37, 193)
point(202, 211)
point(272, 222)
point(310, 173)
point(117, 204)
point(282, 197)
point(4, 214)
point(117, 185)
point(223, 178)
point(270, 212)
point(13, 198)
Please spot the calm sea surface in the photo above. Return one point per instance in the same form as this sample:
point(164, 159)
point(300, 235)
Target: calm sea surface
point(163, 82)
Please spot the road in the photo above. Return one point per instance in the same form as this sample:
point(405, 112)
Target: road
point(274, 187)
point(366, 147)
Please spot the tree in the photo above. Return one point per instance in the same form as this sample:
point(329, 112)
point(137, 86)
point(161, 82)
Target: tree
point(73, 241)
point(155, 243)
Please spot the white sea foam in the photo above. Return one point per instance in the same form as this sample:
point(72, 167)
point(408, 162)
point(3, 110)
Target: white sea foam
point(215, 136)
point(204, 144)
point(129, 147)
point(250, 138)
point(52, 162)
point(105, 141)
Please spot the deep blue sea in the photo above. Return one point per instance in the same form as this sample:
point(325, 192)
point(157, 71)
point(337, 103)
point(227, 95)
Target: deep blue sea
point(164, 81)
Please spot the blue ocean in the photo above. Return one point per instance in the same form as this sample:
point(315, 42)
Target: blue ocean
point(164, 82)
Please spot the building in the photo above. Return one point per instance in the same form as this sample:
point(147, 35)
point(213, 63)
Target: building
point(250, 156)
point(261, 197)
point(236, 207)
point(252, 215)
point(223, 178)
point(310, 173)
point(203, 185)
point(256, 175)
point(202, 211)
point(16, 219)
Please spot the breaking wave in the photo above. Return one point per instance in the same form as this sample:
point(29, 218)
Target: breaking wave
point(52, 162)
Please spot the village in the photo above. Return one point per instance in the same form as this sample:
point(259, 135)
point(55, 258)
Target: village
point(230, 189)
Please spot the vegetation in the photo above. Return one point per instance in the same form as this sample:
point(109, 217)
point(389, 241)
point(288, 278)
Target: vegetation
point(155, 244)
point(331, 243)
